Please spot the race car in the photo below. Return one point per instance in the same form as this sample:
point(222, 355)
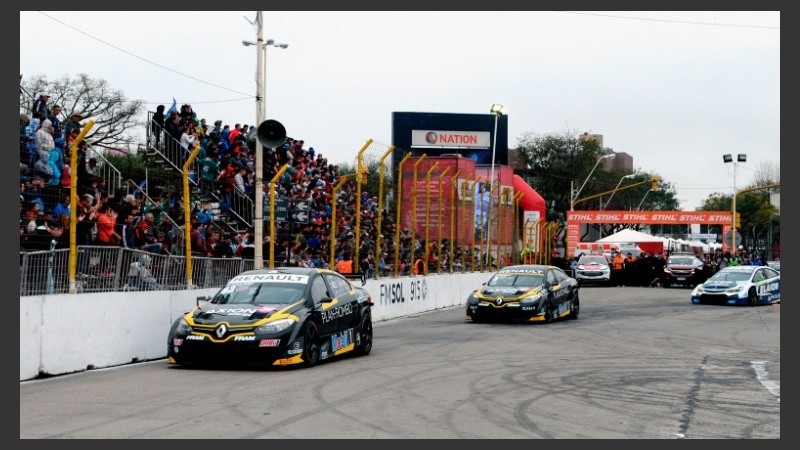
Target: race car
point(283, 317)
point(740, 285)
point(525, 292)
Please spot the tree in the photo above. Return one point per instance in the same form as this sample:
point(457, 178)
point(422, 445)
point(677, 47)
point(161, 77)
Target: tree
point(116, 118)
point(757, 216)
point(556, 163)
point(767, 172)
point(759, 219)
point(551, 162)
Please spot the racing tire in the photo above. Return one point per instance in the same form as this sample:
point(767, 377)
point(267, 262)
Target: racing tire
point(364, 336)
point(575, 308)
point(310, 345)
point(548, 314)
point(752, 298)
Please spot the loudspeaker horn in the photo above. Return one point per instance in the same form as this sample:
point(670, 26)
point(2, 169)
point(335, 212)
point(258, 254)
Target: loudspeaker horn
point(271, 133)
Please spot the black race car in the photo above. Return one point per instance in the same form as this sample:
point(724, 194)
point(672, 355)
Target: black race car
point(281, 317)
point(536, 293)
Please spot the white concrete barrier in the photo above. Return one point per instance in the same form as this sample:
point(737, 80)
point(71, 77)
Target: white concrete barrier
point(61, 334)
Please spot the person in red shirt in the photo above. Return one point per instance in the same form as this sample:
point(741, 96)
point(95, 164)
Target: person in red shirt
point(106, 222)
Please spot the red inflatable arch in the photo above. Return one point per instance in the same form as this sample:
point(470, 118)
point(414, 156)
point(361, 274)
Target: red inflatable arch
point(530, 200)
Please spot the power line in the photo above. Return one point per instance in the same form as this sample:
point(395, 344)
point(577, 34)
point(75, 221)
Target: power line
point(687, 22)
point(144, 59)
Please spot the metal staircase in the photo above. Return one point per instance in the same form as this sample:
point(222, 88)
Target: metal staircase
point(169, 153)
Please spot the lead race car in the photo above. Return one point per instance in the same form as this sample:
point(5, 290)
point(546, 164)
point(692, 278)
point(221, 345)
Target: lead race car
point(525, 292)
point(283, 317)
point(740, 285)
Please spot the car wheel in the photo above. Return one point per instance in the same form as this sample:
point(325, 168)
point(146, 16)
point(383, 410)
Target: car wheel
point(310, 345)
point(548, 313)
point(575, 308)
point(752, 298)
point(364, 336)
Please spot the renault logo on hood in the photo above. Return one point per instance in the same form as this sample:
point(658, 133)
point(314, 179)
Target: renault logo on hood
point(221, 330)
point(498, 301)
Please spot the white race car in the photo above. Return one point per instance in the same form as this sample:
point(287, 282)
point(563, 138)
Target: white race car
point(740, 285)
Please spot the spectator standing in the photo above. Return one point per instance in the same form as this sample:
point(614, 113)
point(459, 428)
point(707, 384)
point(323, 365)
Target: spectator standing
point(26, 159)
point(723, 260)
point(58, 135)
point(74, 122)
point(419, 264)
point(204, 216)
point(44, 144)
point(345, 265)
point(239, 179)
point(188, 137)
point(733, 260)
point(87, 215)
point(198, 238)
point(127, 232)
point(157, 126)
point(156, 208)
point(106, 223)
point(62, 208)
point(225, 180)
point(172, 137)
point(629, 268)
point(40, 109)
point(617, 269)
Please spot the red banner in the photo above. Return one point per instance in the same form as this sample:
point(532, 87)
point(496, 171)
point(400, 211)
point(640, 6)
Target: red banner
point(650, 217)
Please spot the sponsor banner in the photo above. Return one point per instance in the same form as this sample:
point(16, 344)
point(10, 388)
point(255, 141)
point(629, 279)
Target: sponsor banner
point(650, 217)
point(451, 139)
point(531, 222)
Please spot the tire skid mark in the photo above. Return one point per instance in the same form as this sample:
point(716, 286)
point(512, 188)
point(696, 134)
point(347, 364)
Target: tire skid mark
point(691, 399)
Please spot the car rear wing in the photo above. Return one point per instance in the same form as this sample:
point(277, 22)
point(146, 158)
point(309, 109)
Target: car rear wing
point(356, 276)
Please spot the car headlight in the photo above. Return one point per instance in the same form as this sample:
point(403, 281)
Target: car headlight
point(667, 270)
point(698, 290)
point(735, 289)
point(183, 327)
point(530, 299)
point(274, 327)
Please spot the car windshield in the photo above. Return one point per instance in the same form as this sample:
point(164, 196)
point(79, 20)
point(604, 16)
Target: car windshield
point(592, 260)
point(682, 261)
point(731, 275)
point(262, 289)
point(517, 280)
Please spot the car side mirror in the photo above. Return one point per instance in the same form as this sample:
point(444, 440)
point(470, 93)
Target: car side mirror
point(203, 298)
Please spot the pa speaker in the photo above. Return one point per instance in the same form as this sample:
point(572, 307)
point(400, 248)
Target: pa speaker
point(271, 133)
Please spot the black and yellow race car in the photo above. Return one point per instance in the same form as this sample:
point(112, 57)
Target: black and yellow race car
point(282, 317)
point(527, 292)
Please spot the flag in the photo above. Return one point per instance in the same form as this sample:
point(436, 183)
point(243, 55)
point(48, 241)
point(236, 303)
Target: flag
point(174, 107)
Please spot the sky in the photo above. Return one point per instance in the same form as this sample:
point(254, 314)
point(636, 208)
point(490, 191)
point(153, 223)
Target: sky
point(675, 90)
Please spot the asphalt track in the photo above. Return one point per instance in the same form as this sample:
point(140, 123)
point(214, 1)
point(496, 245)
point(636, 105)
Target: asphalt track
point(639, 363)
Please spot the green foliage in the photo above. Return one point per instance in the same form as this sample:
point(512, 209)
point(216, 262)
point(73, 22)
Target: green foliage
point(756, 214)
point(553, 164)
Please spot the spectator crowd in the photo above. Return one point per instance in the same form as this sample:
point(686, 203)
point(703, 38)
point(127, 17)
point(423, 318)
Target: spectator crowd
point(226, 167)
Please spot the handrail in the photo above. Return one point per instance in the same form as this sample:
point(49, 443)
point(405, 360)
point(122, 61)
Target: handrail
point(110, 187)
point(242, 201)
